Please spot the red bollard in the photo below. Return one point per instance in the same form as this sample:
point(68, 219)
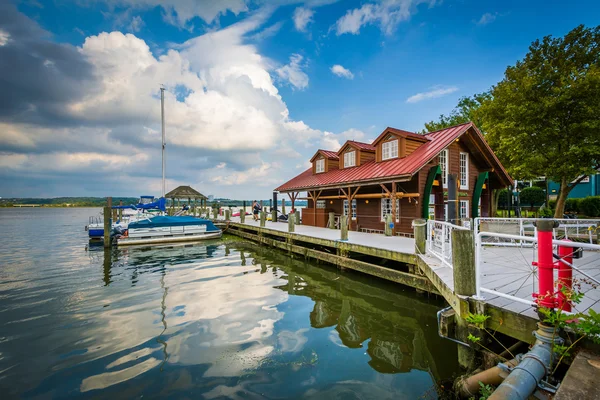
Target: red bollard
point(565, 276)
point(545, 264)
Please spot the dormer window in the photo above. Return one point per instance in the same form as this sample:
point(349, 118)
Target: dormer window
point(349, 159)
point(320, 166)
point(389, 150)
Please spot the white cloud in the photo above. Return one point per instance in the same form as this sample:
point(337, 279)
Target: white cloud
point(387, 13)
point(4, 37)
point(136, 24)
point(302, 17)
point(293, 73)
point(431, 94)
point(486, 18)
point(342, 72)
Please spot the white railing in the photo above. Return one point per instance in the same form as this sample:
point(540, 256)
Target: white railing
point(495, 267)
point(586, 230)
point(439, 240)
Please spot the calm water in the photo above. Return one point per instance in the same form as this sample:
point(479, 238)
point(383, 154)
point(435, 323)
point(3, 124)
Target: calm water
point(225, 319)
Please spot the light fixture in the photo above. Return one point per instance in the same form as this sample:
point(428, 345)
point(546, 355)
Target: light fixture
point(330, 201)
point(484, 186)
point(436, 182)
point(366, 201)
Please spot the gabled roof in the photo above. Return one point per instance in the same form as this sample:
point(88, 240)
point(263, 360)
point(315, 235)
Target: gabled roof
point(332, 155)
point(357, 145)
point(401, 133)
point(397, 168)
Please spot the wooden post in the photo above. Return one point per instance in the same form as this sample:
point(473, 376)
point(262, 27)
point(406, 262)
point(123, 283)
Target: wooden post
point(291, 217)
point(243, 207)
point(120, 210)
point(420, 232)
point(215, 212)
point(388, 223)
point(243, 216)
point(394, 208)
point(263, 218)
point(107, 222)
point(463, 262)
point(274, 214)
point(331, 222)
point(297, 213)
point(283, 206)
point(344, 227)
point(227, 215)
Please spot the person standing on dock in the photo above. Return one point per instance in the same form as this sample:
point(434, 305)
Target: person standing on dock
point(255, 209)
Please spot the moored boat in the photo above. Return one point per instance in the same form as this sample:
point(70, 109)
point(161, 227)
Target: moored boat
point(164, 229)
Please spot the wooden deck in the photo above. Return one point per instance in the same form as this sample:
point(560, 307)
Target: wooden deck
point(505, 269)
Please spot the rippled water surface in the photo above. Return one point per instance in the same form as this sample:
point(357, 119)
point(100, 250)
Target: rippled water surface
point(224, 319)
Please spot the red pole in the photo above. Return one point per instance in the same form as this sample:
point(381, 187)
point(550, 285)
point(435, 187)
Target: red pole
point(565, 276)
point(545, 264)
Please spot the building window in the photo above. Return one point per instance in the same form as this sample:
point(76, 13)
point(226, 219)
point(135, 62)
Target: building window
point(443, 161)
point(353, 208)
point(432, 206)
point(386, 208)
point(464, 171)
point(389, 150)
point(320, 166)
point(464, 209)
point(321, 203)
point(349, 159)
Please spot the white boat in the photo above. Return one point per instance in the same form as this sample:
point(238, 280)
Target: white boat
point(164, 229)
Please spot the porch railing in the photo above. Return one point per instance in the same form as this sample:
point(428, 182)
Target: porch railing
point(439, 240)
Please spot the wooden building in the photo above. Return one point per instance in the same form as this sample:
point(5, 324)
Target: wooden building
point(361, 179)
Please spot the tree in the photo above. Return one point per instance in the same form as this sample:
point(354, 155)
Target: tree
point(543, 118)
point(532, 196)
point(464, 111)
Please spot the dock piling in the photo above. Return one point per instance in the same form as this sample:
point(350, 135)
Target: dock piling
point(420, 232)
point(263, 219)
point(283, 206)
point(463, 260)
point(331, 221)
point(107, 222)
point(243, 215)
point(344, 227)
point(291, 218)
point(274, 214)
point(388, 225)
point(227, 215)
point(297, 213)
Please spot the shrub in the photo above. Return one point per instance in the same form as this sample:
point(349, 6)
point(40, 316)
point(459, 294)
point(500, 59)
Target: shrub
point(532, 197)
point(503, 199)
point(552, 204)
point(590, 206)
point(572, 205)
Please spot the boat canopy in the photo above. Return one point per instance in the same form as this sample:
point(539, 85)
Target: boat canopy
point(162, 221)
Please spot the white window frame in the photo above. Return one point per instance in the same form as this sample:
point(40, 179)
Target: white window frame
point(386, 208)
point(443, 161)
point(321, 204)
point(350, 159)
point(464, 170)
point(432, 206)
point(465, 204)
point(345, 208)
point(320, 165)
point(389, 150)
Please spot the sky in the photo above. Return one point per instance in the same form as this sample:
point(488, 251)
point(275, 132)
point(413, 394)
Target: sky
point(253, 87)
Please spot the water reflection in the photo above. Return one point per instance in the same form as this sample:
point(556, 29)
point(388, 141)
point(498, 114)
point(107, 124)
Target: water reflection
point(224, 319)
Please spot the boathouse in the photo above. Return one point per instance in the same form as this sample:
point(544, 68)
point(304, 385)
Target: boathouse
point(362, 180)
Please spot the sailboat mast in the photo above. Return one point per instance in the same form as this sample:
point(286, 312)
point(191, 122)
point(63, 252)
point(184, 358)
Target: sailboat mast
point(164, 143)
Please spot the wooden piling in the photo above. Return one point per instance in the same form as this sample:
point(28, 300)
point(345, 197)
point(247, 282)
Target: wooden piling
point(344, 227)
point(420, 232)
point(463, 261)
point(242, 215)
point(263, 219)
point(274, 214)
point(388, 225)
point(291, 218)
point(107, 222)
point(297, 213)
point(227, 215)
point(120, 210)
point(331, 221)
point(215, 212)
point(283, 206)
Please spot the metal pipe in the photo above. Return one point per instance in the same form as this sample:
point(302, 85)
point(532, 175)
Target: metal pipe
point(535, 365)
point(468, 387)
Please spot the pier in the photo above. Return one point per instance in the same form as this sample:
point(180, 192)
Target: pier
point(499, 281)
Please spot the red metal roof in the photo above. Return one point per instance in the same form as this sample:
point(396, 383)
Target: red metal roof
point(397, 167)
point(358, 145)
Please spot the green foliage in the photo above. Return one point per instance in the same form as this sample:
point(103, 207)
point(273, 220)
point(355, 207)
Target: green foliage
point(590, 206)
point(543, 118)
point(545, 212)
point(462, 113)
point(503, 199)
point(572, 205)
point(473, 338)
point(485, 391)
point(477, 319)
point(532, 196)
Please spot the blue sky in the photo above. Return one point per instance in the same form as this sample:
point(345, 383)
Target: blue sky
point(254, 87)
